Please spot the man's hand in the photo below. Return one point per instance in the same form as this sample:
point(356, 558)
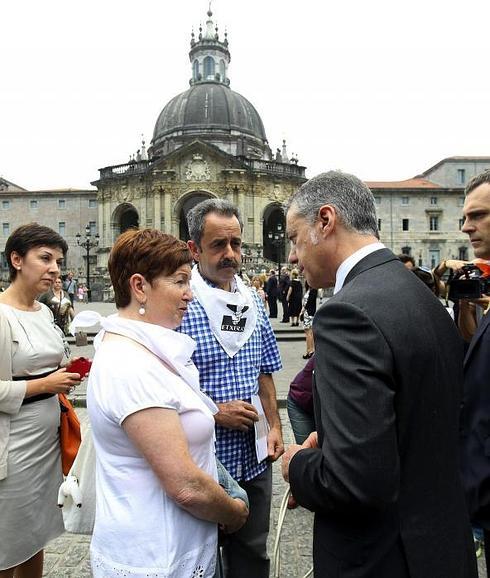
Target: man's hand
point(286, 458)
point(275, 445)
point(236, 414)
point(311, 441)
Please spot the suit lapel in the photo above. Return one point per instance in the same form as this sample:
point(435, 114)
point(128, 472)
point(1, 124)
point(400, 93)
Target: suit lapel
point(480, 330)
point(372, 260)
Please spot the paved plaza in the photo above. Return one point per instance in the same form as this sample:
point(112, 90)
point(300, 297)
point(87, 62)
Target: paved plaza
point(68, 555)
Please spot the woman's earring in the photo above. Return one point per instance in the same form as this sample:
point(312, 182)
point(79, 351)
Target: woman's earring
point(142, 309)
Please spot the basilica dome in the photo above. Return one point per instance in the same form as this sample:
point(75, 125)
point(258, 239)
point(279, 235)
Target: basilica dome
point(208, 108)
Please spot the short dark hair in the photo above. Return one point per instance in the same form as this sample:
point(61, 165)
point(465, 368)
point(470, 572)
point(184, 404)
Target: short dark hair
point(477, 180)
point(406, 258)
point(30, 236)
point(148, 252)
point(197, 215)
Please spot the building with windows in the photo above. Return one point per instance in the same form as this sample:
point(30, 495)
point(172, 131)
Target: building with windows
point(67, 211)
point(422, 216)
point(208, 141)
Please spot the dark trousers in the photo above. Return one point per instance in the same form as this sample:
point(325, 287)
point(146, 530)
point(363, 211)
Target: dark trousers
point(245, 551)
point(285, 309)
point(272, 301)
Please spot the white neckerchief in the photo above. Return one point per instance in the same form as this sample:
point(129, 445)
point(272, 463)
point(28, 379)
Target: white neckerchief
point(232, 315)
point(172, 348)
point(347, 265)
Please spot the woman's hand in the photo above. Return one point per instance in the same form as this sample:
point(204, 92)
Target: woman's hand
point(60, 381)
point(240, 518)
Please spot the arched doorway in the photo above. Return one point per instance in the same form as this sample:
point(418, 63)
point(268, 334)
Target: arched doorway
point(188, 203)
point(124, 217)
point(274, 234)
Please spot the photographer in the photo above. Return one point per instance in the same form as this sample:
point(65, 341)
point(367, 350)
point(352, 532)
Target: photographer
point(467, 311)
point(475, 417)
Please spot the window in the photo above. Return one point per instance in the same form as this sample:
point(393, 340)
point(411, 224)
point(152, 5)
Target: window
point(208, 67)
point(406, 250)
point(195, 69)
point(461, 223)
point(405, 224)
point(434, 223)
point(93, 227)
point(460, 201)
point(379, 224)
point(6, 229)
point(61, 204)
point(377, 200)
point(92, 203)
point(33, 204)
point(5, 205)
point(433, 200)
point(61, 228)
point(434, 257)
point(405, 200)
point(3, 260)
point(461, 176)
point(463, 253)
point(222, 69)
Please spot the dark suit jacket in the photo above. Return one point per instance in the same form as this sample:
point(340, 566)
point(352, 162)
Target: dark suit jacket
point(385, 483)
point(475, 425)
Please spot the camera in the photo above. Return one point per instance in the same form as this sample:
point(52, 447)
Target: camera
point(471, 286)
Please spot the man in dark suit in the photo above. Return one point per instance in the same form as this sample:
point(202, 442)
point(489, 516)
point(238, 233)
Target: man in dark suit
point(475, 424)
point(382, 471)
point(272, 291)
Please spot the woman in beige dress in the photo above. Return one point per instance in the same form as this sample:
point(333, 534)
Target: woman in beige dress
point(31, 352)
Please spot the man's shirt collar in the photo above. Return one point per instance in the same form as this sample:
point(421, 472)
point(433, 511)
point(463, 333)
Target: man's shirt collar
point(347, 265)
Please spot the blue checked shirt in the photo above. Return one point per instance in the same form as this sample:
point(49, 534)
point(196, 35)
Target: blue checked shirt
point(226, 378)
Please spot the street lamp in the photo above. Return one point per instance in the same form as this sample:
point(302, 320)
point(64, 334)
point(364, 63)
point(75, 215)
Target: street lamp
point(88, 243)
point(276, 239)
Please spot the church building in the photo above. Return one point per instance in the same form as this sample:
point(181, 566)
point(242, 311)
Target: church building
point(208, 142)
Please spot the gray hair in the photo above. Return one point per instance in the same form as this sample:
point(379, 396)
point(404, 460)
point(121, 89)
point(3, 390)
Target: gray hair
point(352, 199)
point(197, 215)
point(477, 180)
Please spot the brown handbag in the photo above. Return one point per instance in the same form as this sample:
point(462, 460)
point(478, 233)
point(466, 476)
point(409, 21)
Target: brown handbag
point(70, 437)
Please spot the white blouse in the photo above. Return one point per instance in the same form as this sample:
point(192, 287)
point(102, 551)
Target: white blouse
point(139, 530)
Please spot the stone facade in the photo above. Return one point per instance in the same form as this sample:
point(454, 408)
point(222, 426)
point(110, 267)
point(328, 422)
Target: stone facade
point(67, 211)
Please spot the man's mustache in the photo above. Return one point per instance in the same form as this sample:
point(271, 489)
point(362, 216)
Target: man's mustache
point(225, 263)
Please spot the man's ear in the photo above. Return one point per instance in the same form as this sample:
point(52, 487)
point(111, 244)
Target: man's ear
point(327, 219)
point(194, 249)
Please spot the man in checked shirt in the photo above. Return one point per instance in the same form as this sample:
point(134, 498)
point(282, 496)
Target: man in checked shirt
point(236, 355)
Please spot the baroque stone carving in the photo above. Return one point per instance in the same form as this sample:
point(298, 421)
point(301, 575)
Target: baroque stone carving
point(198, 169)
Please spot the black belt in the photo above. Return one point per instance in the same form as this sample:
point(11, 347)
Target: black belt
point(39, 397)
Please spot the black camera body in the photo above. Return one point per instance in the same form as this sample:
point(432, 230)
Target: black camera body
point(471, 286)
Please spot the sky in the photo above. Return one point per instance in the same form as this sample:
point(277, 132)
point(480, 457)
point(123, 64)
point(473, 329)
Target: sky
point(382, 89)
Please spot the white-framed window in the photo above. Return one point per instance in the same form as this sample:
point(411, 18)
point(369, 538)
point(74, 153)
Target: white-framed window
point(62, 228)
point(433, 200)
point(463, 253)
point(33, 204)
point(405, 224)
point(93, 227)
point(6, 229)
point(405, 200)
point(461, 176)
point(5, 205)
point(61, 204)
point(92, 203)
point(433, 223)
point(377, 200)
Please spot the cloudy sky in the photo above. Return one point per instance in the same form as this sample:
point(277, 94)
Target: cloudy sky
point(383, 89)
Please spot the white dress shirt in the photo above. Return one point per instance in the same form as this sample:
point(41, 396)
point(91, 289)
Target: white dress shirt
point(347, 265)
